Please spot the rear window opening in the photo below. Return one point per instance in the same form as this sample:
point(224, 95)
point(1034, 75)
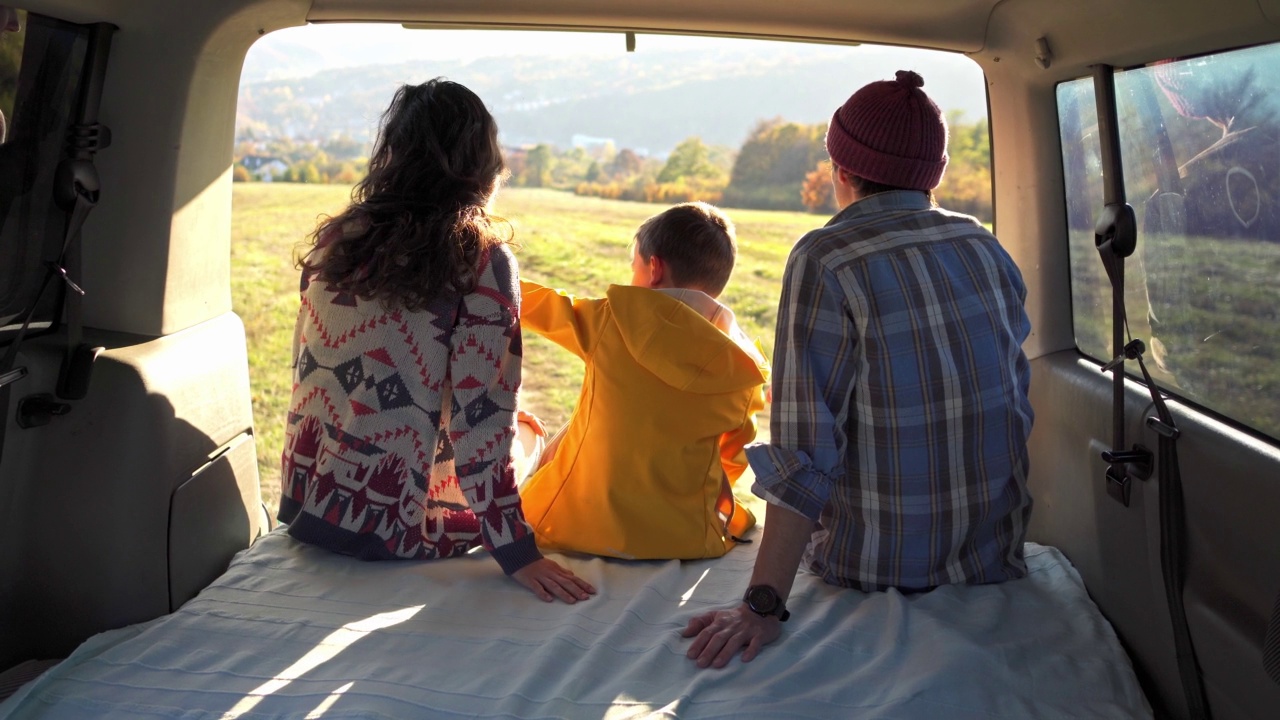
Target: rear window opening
point(596, 140)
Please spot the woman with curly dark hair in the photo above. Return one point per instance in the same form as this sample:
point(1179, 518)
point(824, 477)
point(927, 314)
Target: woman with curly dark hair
point(406, 359)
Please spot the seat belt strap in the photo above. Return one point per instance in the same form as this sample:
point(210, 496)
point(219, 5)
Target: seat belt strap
point(76, 190)
point(77, 362)
point(1116, 239)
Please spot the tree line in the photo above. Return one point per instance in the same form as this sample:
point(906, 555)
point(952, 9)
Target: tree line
point(340, 160)
point(782, 165)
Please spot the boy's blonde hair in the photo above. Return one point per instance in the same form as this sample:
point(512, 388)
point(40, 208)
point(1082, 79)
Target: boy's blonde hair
point(696, 241)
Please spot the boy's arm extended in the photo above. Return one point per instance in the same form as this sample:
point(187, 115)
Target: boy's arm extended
point(563, 319)
point(732, 455)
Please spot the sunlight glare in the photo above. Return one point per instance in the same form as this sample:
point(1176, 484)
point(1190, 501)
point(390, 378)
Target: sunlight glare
point(684, 599)
point(628, 706)
point(328, 702)
point(326, 650)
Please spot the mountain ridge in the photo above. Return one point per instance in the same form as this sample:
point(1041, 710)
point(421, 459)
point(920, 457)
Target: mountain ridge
point(648, 102)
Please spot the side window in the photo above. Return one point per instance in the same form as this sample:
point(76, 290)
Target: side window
point(1200, 147)
point(41, 60)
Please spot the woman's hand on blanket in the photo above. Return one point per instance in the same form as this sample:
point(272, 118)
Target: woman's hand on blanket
point(722, 633)
point(549, 580)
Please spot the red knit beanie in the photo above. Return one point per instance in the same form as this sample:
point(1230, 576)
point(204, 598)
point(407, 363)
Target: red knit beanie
point(890, 132)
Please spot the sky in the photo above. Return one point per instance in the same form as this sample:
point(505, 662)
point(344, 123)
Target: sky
point(343, 45)
point(302, 52)
point(393, 41)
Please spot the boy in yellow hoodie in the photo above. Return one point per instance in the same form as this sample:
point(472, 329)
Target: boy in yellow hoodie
point(672, 387)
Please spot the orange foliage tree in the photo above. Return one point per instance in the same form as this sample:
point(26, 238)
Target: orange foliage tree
point(816, 192)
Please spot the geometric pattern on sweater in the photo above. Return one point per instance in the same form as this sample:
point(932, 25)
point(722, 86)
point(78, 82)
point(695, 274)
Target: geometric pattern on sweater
point(400, 424)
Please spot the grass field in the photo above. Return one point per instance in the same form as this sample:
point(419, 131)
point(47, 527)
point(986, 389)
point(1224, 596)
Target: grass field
point(1216, 299)
point(1207, 308)
point(578, 244)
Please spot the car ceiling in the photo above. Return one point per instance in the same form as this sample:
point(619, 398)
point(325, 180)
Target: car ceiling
point(1080, 32)
point(946, 24)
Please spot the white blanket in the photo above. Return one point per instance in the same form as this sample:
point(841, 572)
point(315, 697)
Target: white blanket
point(295, 632)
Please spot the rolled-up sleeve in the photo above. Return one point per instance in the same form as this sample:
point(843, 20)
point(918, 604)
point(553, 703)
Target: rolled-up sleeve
point(814, 373)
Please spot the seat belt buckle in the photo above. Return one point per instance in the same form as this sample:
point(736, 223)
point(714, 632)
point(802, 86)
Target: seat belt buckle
point(1123, 466)
point(1119, 486)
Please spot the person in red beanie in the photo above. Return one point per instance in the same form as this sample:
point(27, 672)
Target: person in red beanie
point(898, 456)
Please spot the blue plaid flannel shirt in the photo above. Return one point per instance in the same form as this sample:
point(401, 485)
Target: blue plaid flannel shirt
point(900, 412)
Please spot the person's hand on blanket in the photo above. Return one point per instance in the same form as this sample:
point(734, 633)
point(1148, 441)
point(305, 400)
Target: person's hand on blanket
point(549, 580)
point(722, 633)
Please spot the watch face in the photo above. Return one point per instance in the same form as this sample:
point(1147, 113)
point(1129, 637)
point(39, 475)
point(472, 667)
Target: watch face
point(762, 599)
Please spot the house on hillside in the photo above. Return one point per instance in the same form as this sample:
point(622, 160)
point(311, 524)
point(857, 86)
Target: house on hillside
point(264, 167)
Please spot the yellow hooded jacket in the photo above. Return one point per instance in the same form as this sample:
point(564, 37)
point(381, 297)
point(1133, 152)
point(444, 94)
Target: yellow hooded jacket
point(668, 401)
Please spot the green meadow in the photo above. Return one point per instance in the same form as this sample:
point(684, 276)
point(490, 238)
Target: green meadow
point(578, 244)
point(1207, 310)
point(1210, 330)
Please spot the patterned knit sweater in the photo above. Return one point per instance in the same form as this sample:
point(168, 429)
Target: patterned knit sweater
point(399, 432)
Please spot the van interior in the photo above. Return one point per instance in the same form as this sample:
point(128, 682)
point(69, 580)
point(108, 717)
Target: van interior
point(1135, 180)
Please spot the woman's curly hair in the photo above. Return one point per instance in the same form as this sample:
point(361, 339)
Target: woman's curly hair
point(417, 226)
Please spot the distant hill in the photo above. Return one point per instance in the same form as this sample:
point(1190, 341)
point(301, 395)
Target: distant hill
point(646, 101)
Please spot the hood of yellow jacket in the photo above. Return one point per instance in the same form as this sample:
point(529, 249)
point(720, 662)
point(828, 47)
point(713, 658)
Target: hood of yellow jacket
point(674, 342)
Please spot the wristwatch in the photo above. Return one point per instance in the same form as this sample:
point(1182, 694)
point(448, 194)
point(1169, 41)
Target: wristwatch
point(764, 601)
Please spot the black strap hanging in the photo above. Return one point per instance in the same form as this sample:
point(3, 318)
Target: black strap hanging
point(76, 189)
point(1173, 562)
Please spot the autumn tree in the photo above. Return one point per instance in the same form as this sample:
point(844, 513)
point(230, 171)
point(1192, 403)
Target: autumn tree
point(538, 165)
point(966, 185)
point(625, 164)
point(347, 175)
point(345, 147)
point(514, 159)
point(690, 159)
point(773, 163)
point(569, 168)
point(816, 192)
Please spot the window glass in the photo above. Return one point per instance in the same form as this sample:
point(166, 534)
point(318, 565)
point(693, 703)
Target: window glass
point(1200, 148)
point(41, 60)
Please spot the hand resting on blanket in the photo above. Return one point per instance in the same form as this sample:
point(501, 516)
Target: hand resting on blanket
point(546, 578)
point(722, 632)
